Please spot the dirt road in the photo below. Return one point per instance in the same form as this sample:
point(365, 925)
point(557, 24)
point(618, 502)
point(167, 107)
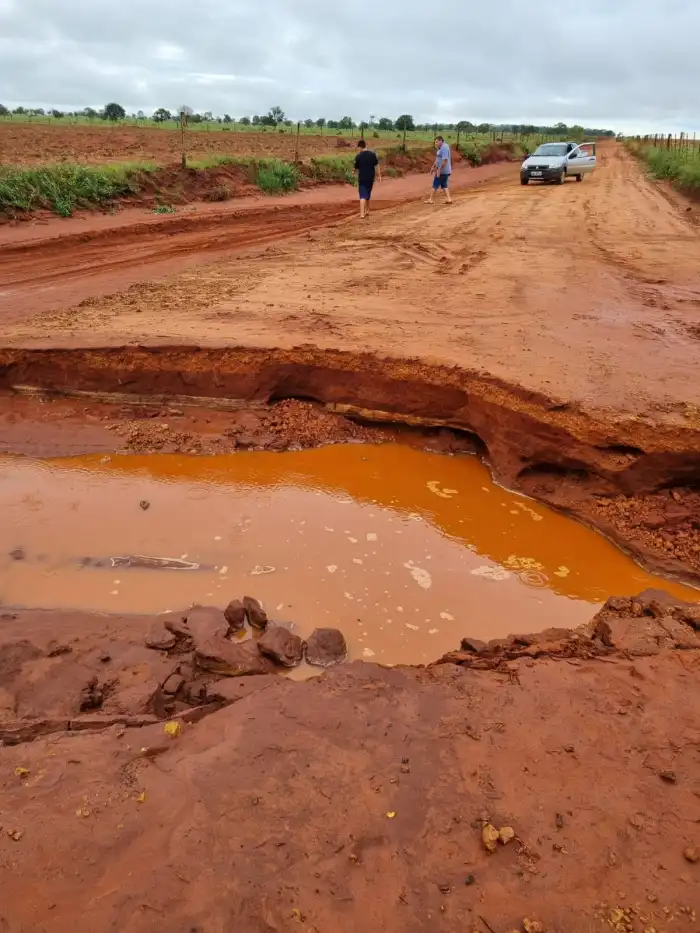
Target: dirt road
point(55, 262)
point(588, 293)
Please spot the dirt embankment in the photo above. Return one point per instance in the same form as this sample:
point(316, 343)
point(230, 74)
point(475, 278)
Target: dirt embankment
point(369, 795)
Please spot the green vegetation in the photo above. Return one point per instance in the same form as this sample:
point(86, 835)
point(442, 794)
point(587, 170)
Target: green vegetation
point(277, 177)
point(676, 161)
point(331, 168)
point(63, 188)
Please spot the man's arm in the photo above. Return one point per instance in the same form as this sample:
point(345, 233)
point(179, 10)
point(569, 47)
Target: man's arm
point(379, 169)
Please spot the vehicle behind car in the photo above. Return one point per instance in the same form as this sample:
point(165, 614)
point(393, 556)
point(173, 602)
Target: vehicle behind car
point(554, 162)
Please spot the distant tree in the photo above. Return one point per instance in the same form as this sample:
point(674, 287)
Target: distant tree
point(405, 122)
point(332, 124)
point(113, 112)
point(140, 115)
point(227, 118)
point(161, 115)
point(464, 126)
point(308, 124)
point(484, 128)
point(561, 129)
point(364, 125)
point(195, 118)
point(245, 121)
point(385, 124)
point(208, 116)
point(321, 122)
point(577, 132)
point(3, 110)
point(90, 113)
point(57, 114)
point(19, 111)
point(345, 123)
point(256, 121)
point(275, 116)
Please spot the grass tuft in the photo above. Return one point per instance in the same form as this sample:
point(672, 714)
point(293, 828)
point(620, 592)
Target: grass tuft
point(277, 177)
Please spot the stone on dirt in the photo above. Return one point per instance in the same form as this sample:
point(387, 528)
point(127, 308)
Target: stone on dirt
point(326, 647)
point(490, 837)
point(206, 622)
point(281, 646)
point(472, 644)
point(91, 696)
point(257, 617)
point(160, 639)
point(173, 684)
point(235, 615)
point(691, 854)
point(219, 656)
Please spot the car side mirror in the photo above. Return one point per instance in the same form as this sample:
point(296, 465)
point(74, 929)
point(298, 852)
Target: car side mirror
point(573, 155)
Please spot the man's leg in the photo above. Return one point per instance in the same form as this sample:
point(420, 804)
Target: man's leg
point(446, 189)
point(363, 201)
point(436, 185)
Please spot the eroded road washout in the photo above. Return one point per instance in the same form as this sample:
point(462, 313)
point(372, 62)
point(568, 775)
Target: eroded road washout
point(634, 480)
point(362, 799)
point(403, 550)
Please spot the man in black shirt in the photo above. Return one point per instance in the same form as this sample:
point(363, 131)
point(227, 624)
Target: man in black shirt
point(366, 164)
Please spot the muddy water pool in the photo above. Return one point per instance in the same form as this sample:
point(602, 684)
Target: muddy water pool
point(405, 551)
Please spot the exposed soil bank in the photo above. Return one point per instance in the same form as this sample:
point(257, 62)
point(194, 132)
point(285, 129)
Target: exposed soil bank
point(570, 458)
point(358, 798)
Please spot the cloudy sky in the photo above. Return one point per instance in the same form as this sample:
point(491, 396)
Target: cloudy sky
point(631, 65)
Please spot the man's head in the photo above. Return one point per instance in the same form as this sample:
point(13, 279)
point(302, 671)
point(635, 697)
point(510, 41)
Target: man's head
point(362, 144)
point(438, 141)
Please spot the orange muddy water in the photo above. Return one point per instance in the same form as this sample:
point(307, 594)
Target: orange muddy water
point(405, 551)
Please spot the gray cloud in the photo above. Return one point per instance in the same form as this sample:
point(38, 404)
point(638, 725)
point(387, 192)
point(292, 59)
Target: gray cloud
point(630, 64)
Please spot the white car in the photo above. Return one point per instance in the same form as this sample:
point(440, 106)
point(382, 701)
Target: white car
point(555, 161)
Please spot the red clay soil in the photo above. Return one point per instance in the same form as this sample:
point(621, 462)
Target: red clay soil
point(37, 144)
point(361, 800)
point(93, 254)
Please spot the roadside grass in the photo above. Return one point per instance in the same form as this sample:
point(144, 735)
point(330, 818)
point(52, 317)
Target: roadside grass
point(276, 177)
point(63, 188)
point(679, 166)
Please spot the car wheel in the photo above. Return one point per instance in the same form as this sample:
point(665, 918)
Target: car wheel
point(561, 177)
point(579, 178)
point(524, 181)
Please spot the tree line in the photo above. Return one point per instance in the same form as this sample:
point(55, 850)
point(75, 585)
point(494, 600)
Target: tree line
point(276, 117)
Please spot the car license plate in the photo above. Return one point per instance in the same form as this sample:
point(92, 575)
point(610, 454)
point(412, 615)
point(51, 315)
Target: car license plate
point(535, 173)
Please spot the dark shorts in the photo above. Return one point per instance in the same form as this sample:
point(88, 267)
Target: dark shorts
point(441, 181)
point(365, 190)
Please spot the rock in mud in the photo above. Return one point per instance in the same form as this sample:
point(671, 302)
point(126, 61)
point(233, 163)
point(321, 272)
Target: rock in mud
point(206, 622)
point(282, 647)
point(472, 644)
point(92, 696)
point(178, 626)
point(18, 554)
point(235, 615)
point(690, 615)
point(160, 639)
point(219, 656)
point(257, 617)
point(326, 647)
point(173, 684)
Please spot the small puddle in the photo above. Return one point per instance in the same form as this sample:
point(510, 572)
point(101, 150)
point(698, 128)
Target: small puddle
point(405, 551)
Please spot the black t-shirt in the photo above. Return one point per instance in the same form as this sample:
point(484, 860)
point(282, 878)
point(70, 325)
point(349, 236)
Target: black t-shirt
point(366, 163)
